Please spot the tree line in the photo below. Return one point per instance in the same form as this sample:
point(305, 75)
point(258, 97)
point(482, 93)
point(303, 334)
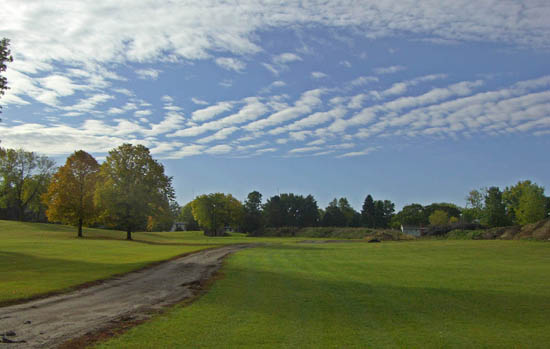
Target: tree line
point(130, 191)
point(215, 212)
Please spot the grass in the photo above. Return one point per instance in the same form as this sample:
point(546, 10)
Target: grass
point(40, 258)
point(393, 294)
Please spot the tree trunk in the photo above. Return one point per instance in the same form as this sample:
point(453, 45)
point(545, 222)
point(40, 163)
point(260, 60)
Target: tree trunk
point(80, 227)
point(129, 234)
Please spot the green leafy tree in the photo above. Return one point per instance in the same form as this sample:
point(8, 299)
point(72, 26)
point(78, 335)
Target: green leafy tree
point(439, 217)
point(186, 216)
point(291, 210)
point(70, 195)
point(474, 206)
point(532, 205)
point(495, 210)
point(132, 187)
point(5, 57)
point(413, 214)
point(24, 177)
point(367, 212)
point(512, 197)
point(215, 211)
point(253, 221)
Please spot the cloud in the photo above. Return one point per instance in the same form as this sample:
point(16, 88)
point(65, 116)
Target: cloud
point(345, 63)
point(252, 109)
point(311, 120)
point(139, 113)
point(285, 58)
point(199, 101)
point(363, 80)
point(167, 99)
point(389, 70)
point(88, 104)
point(318, 75)
point(271, 68)
point(148, 74)
point(304, 150)
point(219, 149)
point(305, 104)
point(210, 112)
point(220, 135)
point(365, 151)
point(230, 64)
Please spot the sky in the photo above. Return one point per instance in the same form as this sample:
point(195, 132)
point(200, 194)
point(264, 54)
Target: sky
point(409, 101)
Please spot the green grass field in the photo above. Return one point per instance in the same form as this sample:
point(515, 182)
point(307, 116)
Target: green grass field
point(36, 259)
point(393, 294)
point(41, 258)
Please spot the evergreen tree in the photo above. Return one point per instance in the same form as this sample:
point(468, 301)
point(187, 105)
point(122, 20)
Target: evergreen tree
point(367, 213)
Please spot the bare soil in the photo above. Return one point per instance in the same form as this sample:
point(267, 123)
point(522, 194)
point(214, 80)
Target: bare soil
point(129, 299)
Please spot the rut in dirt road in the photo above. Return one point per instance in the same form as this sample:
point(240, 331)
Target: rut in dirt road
point(49, 322)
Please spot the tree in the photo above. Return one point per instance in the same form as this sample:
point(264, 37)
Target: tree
point(186, 216)
point(70, 195)
point(512, 196)
point(291, 210)
point(334, 217)
point(215, 211)
point(495, 210)
point(347, 211)
point(413, 214)
point(24, 176)
point(5, 57)
point(252, 222)
point(439, 217)
point(532, 205)
point(367, 212)
point(132, 187)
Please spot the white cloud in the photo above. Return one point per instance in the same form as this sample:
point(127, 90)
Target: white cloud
point(253, 109)
point(305, 104)
point(221, 134)
point(219, 149)
point(199, 101)
point(271, 68)
point(311, 120)
point(389, 70)
point(88, 104)
point(363, 80)
point(167, 99)
point(230, 63)
point(318, 75)
point(139, 113)
point(285, 58)
point(210, 112)
point(304, 150)
point(345, 63)
point(148, 74)
point(365, 151)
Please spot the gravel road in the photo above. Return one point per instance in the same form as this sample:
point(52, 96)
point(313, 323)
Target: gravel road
point(49, 322)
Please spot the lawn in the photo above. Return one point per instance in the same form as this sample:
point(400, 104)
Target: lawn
point(41, 258)
point(392, 294)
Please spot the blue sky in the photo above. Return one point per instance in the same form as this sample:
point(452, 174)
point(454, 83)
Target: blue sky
point(408, 101)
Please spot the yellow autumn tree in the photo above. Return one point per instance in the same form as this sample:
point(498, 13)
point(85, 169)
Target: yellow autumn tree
point(70, 195)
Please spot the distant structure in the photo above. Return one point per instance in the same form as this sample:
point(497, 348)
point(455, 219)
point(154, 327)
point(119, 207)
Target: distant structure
point(178, 226)
point(412, 230)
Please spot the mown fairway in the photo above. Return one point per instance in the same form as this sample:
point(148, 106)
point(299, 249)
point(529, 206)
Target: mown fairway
point(41, 258)
point(409, 294)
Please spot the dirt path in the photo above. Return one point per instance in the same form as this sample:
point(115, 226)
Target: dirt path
point(49, 322)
